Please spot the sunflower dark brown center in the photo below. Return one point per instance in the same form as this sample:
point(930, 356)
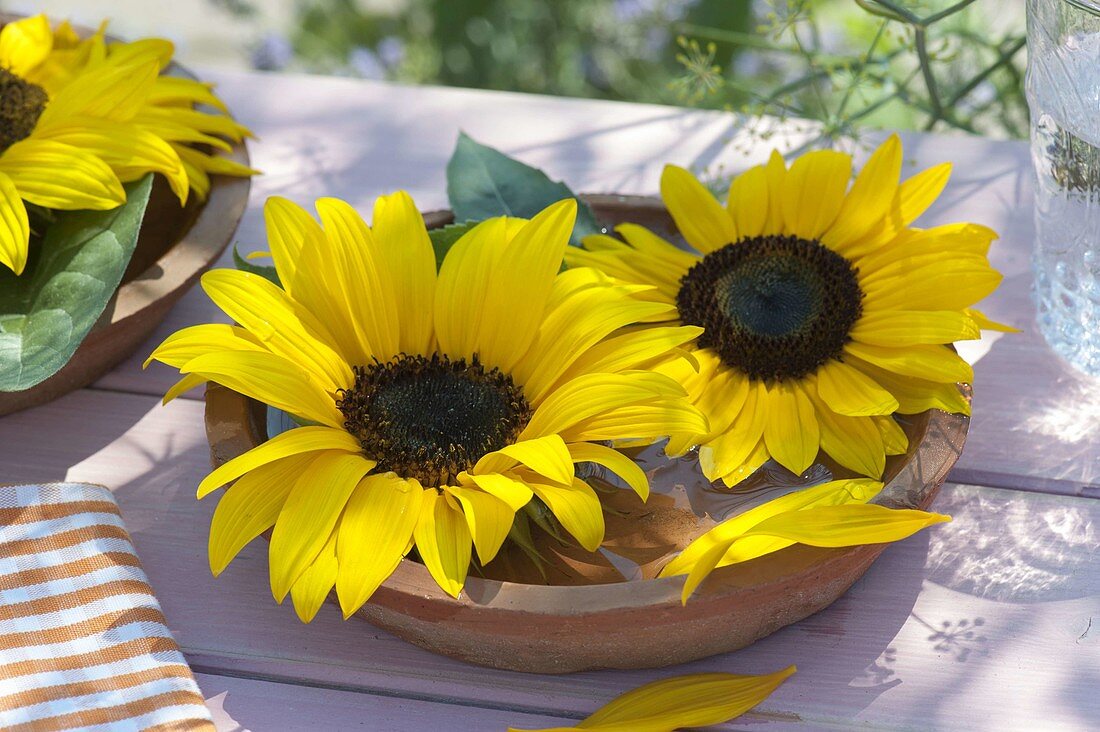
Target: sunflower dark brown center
point(432, 418)
point(21, 104)
point(775, 307)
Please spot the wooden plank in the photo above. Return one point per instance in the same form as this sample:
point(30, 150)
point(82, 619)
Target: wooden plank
point(1036, 423)
point(247, 705)
point(982, 623)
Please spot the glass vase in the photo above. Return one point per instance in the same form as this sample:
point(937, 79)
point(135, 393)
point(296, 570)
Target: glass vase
point(1063, 91)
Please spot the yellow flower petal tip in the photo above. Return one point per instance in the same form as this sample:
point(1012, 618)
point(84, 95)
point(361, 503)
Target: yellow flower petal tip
point(696, 700)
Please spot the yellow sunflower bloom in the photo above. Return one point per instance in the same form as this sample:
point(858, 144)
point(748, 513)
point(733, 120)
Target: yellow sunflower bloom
point(440, 403)
point(42, 159)
point(163, 126)
point(824, 311)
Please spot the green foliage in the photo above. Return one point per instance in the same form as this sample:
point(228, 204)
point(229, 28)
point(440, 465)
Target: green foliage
point(483, 182)
point(445, 237)
point(842, 64)
point(925, 65)
point(266, 271)
point(46, 313)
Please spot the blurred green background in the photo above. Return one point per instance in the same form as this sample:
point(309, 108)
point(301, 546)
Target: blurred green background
point(844, 64)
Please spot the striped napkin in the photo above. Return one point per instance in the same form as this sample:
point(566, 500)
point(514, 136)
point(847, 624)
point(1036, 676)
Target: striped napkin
point(83, 643)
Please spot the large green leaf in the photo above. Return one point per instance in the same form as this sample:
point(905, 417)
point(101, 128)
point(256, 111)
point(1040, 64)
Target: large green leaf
point(483, 182)
point(46, 313)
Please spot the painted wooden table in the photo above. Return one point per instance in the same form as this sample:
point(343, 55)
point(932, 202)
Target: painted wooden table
point(990, 622)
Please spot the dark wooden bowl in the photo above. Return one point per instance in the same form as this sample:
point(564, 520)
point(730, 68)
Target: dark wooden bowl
point(590, 621)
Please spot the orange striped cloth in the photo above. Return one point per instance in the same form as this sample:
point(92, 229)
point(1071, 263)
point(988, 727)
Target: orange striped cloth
point(83, 643)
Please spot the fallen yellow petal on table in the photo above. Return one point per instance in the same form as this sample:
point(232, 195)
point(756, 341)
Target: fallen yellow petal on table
point(696, 700)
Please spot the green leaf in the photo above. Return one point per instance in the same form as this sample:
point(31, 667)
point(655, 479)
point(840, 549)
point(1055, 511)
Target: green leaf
point(46, 313)
point(445, 237)
point(244, 265)
point(483, 182)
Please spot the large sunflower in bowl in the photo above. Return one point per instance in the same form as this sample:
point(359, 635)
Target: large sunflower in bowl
point(824, 312)
point(436, 405)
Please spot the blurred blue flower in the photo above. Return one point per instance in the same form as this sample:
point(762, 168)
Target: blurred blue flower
point(365, 63)
point(391, 50)
point(272, 53)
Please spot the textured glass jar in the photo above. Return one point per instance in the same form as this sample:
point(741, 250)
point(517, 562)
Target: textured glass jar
point(1063, 91)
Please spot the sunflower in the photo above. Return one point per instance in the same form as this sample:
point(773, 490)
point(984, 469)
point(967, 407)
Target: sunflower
point(436, 405)
point(79, 117)
point(824, 311)
point(43, 160)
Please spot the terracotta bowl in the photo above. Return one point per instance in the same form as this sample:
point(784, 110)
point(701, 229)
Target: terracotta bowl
point(174, 247)
point(586, 613)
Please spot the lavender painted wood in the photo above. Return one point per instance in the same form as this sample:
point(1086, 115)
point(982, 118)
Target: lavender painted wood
point(982, 623)
point(246, 705)
point(1036, 423)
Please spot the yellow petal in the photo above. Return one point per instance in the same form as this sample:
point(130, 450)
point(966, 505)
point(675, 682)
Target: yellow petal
point(908, 328)
point(271, 379)
point(871, 196)
point(704, 223)
point(116, 93)
point(935, 363)
point(756, 458)
point(251, 506)
point(575, 326)
point(311, 589)
point(850, 392)
point(184, 385)
point(278, 322)
point(894, 439)
point(578, 509)
point(730, 449)
point(374, 532)
point(648, 243)
point(831, 493)
point(514, 492)
point(849, 524)
point(463, 284)
point(953, 284)
point(443, 540)
point(518, 290)
point(289, 229)
point(130, 151)
point(776, 170)
point(309, 515)
point(547, 456)
point(408, 258)
point(54, 175)
point(643, 423)
point(615, 461)
point(748, 202)
point(631, 350)
point(489, 518)
point(916, 395)
point(982, 321)
point(15, 229)
point(814, 192)
point(593, 394)
point(333, 277)
point(197, 340)
point(696, 700)
point(791, 432)
point(854, 442)
point(25, 43)
point(292, 442)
